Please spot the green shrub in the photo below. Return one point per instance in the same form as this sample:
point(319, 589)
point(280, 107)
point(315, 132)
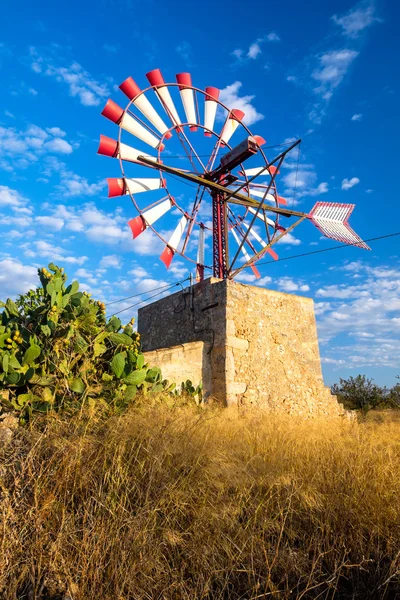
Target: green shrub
point(58, 352)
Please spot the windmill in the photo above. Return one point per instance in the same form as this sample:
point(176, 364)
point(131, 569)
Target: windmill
point(246, 216)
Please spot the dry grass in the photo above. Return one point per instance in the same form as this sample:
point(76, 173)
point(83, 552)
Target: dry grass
point(170, 503)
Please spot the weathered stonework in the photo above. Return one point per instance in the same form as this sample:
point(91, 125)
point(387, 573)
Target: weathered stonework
point(259, 346)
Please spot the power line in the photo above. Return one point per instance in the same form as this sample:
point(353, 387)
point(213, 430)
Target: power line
point(373, 239)
point(148, 298)
point(148, 292)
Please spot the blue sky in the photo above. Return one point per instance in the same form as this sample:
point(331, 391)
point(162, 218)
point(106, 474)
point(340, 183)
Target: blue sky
point(327, 73)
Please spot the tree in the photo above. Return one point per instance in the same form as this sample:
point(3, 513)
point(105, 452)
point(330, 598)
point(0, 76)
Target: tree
point(394, 395)
point(358, 393)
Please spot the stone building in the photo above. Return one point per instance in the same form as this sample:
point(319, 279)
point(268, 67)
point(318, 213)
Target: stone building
point(248, 345)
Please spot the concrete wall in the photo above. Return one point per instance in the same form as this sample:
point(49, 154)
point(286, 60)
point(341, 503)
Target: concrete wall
point(264, 345)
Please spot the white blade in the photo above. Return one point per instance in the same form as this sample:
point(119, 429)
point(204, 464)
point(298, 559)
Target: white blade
point(331, 219)
point(131, 154)
point(145, 184)
point(176, 237)
point(187, 96)
point(231, 124)
point(255, 234)
point(259, 171)
point(157, 81)
point(260, 215)
point(258, 194)
point(132, 126)
point(153, 214)
point(245, 254)
point(244, 251)
point(150, 113)
point(134, 93)
point(165, 98)
point(210, 108)
point(140, 223)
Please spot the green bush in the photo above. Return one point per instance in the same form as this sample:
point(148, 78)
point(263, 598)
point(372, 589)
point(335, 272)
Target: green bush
point(361, 393)
point(58, 352)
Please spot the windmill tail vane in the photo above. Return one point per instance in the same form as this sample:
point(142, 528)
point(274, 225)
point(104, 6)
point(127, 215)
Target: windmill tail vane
point(332, 220)
point(244, 215)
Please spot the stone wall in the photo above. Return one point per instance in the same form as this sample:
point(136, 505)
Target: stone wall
point(180, 363)
point(264, 345)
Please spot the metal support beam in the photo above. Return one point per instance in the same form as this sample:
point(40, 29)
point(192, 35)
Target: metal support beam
point(220, 233)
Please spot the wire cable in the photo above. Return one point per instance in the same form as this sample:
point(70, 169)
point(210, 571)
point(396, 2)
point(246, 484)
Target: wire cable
point(148, 292)
point(373, 239)
point(145, 299)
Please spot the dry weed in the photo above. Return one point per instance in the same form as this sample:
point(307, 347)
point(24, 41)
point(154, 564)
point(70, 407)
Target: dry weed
point(179, 503)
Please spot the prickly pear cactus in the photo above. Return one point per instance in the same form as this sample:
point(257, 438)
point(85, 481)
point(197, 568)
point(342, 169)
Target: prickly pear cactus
point(58, 351)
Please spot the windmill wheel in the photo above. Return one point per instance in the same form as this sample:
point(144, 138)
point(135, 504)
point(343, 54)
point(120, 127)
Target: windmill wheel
point(190, 129)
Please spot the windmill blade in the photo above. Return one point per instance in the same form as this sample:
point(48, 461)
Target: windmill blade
point(269, 222)
point(332, 220)
point(150, 216)
point(200, 255)
point(259, 194)
point(110, 147)
point(231, 124)
point(157, 80)
point(261, 241)
point(121, 186)
point(117, 115)
point(134, 93)
point(210, 109)
point(259, 171)
point(187, 97)
point(246, 254)
point(173, 242)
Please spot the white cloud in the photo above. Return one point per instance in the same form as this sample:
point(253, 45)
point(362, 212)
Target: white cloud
point(356, 117)
point(287, 284)
point(357, 19)
point(368, 311)
point(289, 240)
point(16, 278)
point(238, 53)
point(138, 273)
point(19, 149)
point(231, 98)
point(80, 83)
point(113, 260)
point(32, 91)
point(300, 181)
point(71, 184)
point(291, 78)
point(349, 183)
point(53, 223)
point(11, 198)
point(254, 50)
point(59, 146)
point(56, 253)
point(332, 68)
point(56, 131)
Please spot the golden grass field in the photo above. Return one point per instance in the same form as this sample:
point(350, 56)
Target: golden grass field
point(184, 503)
